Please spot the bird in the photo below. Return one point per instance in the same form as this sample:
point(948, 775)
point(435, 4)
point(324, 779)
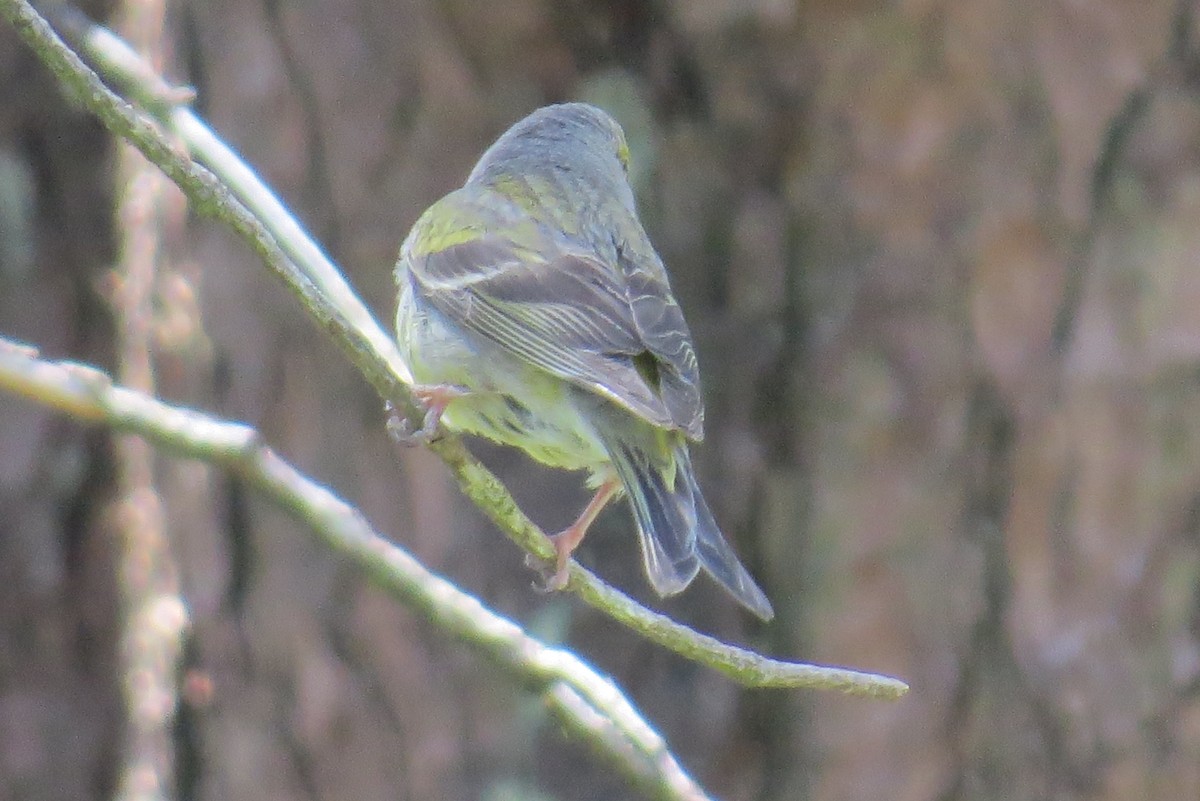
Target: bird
point(534, 311)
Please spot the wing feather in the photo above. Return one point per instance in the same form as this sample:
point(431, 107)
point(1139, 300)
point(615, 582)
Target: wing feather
point(570, 314)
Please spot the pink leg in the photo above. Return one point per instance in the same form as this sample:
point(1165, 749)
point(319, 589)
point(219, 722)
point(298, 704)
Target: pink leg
point(435, 398)
point(566, 541)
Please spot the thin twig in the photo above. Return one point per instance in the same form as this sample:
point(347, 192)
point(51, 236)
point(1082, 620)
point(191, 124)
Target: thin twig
point(242, 201)
point(583, 700)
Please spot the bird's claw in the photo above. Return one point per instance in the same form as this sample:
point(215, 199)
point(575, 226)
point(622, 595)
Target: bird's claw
point(402, 432)
point(552, 577)
point(554, 573)
point(434, 398)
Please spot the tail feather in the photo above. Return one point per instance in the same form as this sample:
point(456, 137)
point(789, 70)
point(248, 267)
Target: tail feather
point(719, 561)
point(668, 544)
point(677, 531)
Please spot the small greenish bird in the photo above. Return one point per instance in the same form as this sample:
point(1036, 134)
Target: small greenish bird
point(534, 311)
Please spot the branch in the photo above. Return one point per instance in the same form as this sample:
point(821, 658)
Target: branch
point(584, 701)
point(154, 619)
point(244, 203)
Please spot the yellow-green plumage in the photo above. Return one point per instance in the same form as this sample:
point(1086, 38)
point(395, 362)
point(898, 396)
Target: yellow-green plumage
point(535, 288)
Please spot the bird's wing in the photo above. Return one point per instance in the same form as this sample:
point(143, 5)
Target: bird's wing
point(571, 315)
point(664, 333)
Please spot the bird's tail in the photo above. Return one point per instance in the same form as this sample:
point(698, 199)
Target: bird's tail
point(677, 531)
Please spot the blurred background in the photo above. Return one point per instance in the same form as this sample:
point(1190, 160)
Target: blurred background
point(942, 264)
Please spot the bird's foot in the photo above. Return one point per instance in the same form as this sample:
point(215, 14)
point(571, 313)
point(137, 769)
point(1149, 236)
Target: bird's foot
point(555, 574)
point(434, 398)
point(566, 541)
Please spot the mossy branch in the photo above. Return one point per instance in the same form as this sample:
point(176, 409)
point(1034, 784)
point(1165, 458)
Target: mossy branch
point(222, 186)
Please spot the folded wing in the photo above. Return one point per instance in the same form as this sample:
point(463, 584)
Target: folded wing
point(610, 328)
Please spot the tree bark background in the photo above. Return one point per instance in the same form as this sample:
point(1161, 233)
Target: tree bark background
point(940, 263)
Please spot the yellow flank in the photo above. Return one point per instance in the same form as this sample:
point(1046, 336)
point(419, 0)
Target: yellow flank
point(509, 401)
point(543, 423)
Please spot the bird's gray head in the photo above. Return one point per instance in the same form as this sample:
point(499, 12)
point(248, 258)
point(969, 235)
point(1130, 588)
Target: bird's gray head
point(573, 146)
